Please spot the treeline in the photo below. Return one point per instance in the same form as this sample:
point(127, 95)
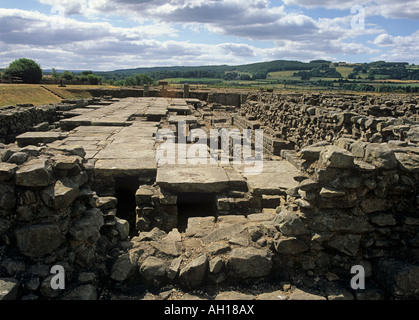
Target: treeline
point(132, 81)
point(320, 72)
point(255, 71)
point(386, 70)
point(86, 77)
point(379, 89)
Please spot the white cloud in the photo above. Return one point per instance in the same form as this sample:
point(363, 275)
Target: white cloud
point(239, 27)
point(387, 8)
point(400, 48)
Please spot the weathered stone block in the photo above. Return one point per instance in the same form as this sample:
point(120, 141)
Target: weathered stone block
point(62, 162)
point(123, 228)
point(173, 270)
point(143, 195)
point(374, 205)
point(60, 195)
point(8, 289)
point(331, 193)
point(249, 263)
point(383, 220)
point(347, 243)
point(216, 265)
point(290, 223)
point(194, 272)
point(88, 226)
point(311, 154)
point(358, 149)
point(349, 224)
point(153, 268)
point(290, 246)
point(7, 196)
point(105, 203)
point(7, 171)
point(335, 157)
point(39, 240)
point(125, 266)
point(381, 156)
point(82, 293)
point(35, 173)
point(18, 158)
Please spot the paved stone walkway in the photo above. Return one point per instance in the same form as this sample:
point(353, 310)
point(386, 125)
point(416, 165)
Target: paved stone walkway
point(119, 139)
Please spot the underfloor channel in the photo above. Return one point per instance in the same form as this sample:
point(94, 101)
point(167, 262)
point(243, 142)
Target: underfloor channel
point(195, 205)
point(125, 189)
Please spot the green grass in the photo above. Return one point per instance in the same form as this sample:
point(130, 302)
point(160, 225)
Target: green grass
point(282, 75)
point(172, 81)
point(12, 94)
point(345, 71)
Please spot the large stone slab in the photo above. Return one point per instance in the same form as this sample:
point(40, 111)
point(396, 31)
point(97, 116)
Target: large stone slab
point(39, 240)
point(276, 178)
point(33, 138)
point(193, 273)
point(249, 263)
point(34, 173)
point(188, 179)
point(140, 150)
point(125, 167)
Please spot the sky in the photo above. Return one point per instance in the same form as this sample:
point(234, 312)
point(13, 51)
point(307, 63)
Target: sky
point(106, 35)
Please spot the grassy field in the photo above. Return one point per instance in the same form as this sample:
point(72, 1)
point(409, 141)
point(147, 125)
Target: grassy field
point(12, 94)
point(345, 71)
point(282, 75)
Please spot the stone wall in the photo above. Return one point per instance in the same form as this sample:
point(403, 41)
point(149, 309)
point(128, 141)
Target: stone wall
point(17, 120)
point(224, 98)
point(358, 206)
point(50, 216)
point(305, 119)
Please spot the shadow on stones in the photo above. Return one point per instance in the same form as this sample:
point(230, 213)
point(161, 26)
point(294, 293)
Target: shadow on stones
point(194, 205)
point(125, 189)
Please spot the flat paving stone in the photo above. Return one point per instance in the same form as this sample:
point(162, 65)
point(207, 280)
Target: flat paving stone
point(187, 178)
point(125, 167)
point(33, 138)
point(187, 119)
point(275, 178)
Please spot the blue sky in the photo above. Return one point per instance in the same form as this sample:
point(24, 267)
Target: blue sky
point(116, 34)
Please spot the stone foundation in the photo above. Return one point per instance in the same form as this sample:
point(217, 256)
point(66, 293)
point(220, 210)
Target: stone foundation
point(339, 188)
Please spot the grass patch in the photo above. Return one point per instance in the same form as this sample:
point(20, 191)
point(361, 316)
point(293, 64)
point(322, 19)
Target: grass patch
point(282, 74)
point(345, 71)
point(12, 94)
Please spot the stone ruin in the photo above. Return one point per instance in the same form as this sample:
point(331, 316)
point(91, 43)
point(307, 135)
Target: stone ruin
point(81, 188)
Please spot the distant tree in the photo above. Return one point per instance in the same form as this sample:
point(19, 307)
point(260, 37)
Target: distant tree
point(305, 75)
point(352, 76)
point(130, 82)
point(86, 73)
point(94, 79)
point(55, 74)
point(67, 75)
point(27, 69)
point(143, 79)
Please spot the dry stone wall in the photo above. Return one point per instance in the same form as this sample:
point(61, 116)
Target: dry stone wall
point(305, 119)
point(23, 118)
point(49, 216)
point(358, 204)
